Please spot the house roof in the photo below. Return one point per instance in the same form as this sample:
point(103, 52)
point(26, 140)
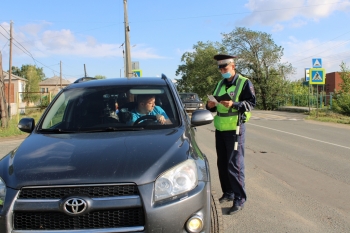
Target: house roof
point(54, 81)
point(13, 77)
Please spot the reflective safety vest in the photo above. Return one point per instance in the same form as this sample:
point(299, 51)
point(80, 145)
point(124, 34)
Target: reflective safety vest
point(227, 118)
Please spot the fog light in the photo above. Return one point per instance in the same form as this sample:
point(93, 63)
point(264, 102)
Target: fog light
point(194, 224)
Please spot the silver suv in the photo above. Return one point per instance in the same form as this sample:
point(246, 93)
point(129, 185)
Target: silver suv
point(191, 101)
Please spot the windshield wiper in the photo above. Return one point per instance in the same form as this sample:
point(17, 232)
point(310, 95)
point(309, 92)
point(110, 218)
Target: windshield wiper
point(55, 130)
point(110, 129)
point(124, 129)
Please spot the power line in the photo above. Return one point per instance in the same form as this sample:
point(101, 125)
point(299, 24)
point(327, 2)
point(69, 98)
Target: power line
point(335, 46)
point(323, 43)
point(239, 13)
point(5, 30)
point(4, 46)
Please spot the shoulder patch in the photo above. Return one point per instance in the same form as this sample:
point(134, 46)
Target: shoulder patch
point(251, 88)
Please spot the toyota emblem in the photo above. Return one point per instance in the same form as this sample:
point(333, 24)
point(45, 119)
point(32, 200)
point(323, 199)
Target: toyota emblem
point(75, 206)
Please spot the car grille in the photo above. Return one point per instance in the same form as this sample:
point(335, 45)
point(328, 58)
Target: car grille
point(112, 217)
point(93, 220)
point(91, 191)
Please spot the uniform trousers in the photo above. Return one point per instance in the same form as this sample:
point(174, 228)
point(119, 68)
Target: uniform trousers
point(231, 164)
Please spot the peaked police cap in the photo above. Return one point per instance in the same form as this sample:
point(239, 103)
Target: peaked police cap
point(223, 60)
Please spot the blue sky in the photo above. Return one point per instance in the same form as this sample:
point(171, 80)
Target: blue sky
point(91, 32)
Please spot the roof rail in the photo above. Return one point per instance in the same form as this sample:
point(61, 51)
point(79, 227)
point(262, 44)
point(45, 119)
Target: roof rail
point(84, 79)
point(164, 76)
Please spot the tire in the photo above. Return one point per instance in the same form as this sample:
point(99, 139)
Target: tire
point(216, 225)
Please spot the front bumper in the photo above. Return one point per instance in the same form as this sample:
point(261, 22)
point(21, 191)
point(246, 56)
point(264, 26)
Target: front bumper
point(168, 215)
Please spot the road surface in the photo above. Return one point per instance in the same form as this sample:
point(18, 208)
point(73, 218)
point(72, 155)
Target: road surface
point(297, 174)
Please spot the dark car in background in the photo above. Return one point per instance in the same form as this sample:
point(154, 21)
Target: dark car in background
point(191, 101)
point(85, 168)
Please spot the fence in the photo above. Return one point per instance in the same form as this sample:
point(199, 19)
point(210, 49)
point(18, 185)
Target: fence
point(314, 101)
point(32, 101)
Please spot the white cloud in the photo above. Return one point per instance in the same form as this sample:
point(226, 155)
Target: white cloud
point(4, 33)
point(34, 28)
point(300, 54)
point(44, 43)
point(268, 12)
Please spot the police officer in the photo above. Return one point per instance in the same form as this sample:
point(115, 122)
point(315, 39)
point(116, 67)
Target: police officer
point(231, 112)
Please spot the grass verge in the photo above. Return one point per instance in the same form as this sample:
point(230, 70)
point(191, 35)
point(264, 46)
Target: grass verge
point(12, 129)
point(328, 116)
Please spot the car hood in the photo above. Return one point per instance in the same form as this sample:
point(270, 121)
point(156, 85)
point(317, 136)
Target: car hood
point(90, 158)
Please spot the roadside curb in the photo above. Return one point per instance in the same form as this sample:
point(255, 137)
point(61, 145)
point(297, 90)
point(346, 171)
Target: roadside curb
point(294, 109)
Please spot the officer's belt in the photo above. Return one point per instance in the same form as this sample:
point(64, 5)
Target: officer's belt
point(227, 114)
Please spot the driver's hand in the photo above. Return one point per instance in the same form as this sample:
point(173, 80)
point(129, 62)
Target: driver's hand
point(160, 119)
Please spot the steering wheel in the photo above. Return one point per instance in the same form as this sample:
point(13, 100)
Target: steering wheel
point(146, 118)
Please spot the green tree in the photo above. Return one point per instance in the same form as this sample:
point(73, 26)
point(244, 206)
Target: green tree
point(258, 58)
point(34, 75)
point(23, 70)
point(297, 93)
point(342, 97)
point(100, 77)
point(199, 72)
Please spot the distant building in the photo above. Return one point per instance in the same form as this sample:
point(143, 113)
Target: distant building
point(53, 85)
point(332, 83)
point(17, 86)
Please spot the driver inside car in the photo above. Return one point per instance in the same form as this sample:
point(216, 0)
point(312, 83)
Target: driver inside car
point(146, 105)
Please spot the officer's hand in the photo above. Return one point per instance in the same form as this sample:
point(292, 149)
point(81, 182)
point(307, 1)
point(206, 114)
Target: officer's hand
point(211, 104)
point(226, 103)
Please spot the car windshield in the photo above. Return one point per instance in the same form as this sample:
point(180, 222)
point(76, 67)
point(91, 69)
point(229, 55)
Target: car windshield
point(111, 108)
point(189, 97)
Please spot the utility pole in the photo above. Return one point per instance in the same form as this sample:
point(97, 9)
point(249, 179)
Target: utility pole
point(10, 73)
point(128, 72)
point(61, 75)
point(2, 97)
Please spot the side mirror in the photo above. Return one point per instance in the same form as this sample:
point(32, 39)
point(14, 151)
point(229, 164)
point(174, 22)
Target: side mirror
point(26, 124)
point(201, 117)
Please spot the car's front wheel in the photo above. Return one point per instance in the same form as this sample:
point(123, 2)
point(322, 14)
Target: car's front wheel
point(217, 225)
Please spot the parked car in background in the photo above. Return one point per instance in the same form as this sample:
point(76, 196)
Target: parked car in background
point(85, 167)
point(191, 101)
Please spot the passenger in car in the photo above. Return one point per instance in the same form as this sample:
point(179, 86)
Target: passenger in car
point(146, 106)
point(116, 108)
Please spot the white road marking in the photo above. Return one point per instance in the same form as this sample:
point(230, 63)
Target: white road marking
point(300, 136)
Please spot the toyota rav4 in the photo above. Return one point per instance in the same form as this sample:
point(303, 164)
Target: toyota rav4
point(85, 168)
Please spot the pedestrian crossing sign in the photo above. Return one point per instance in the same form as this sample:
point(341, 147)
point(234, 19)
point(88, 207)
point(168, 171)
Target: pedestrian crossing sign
point(317, 63)
point(317, 76)
point(137, 73)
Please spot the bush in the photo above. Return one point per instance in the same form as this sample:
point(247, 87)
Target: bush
point(342, 103)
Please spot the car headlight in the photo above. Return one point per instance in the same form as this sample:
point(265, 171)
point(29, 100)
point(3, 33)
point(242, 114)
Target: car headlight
point(179, 179)
point(2, 192)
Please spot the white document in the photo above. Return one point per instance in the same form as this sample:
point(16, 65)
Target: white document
point(212, 98)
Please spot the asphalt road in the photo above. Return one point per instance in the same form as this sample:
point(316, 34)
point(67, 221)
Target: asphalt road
point(297, 174)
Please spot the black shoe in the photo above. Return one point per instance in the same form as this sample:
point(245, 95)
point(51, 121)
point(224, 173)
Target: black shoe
point(225, 198)
point(234, 209)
